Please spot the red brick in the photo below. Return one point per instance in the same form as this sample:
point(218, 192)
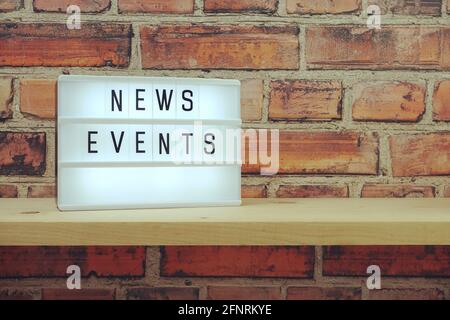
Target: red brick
point(10, 5)
point(219, 47)
point(420, 155)
point(53, 261)
point(407, 294)
point(254, 191)
point(392, 47)
point(388, 101)
point(323, 6)
point(445, 50)
point(8, 191)
point(242, 261)
point(312, 191)
point(163, 293)
point(317, 293)
point(408, 7)
point(323, 153)
point(54, 45)
point(38, 98)
point(41, 191)
point(447, 192)
point(19, 294)
point(86, 6)
point(305, 99)
point(156, 6)
point(82, 294)
point(257, 6)
point(397, 191)
point(243, 293)
point(6, 97)
point(422, 261)
point(441, 101)
point(251, 99)
point(22, 153)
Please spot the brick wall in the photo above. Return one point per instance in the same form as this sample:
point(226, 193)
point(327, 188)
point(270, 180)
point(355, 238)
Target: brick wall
point(361, 113)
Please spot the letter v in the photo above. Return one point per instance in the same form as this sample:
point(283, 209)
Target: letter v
point(117, 147)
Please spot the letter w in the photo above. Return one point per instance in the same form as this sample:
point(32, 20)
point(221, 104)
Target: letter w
point(162, 101)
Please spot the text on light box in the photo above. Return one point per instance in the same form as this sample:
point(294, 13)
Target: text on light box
point(153, 142)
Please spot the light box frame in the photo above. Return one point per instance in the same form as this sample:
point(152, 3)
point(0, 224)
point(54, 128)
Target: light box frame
point(65, 193)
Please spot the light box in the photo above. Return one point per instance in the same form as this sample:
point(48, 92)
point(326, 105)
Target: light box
point(142, 142)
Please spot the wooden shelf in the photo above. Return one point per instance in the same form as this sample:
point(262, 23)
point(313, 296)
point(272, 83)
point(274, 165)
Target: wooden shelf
point(256, 222)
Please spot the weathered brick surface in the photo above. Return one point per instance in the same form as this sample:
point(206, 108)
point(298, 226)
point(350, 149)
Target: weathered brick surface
point(254, 191)
point(392, 47)
point(407, 294)
point(441, 101)
point(420, 155)
point(257, 6)
point(190, 261)
point(305, 99)
point(6, 97)
point(38, 98)
point(408, 7)
point(83, 294)
point(53, 261)
point(156, 6)
point(397, 191)
point(163, 293)
point(41, 191)
point(421, 261)
point(8, 191)
point(323, 6)
point(357, 124)
point(219, 47)
point(312, 191)
point(388, 101)
point(251, 99)
point(243, 293)
point(10, 5)
point(447, 192)
point(323, 293)
point(86, 6)
point(324, 153)
point(22, 153)
point(54, 45)
point(19, 294)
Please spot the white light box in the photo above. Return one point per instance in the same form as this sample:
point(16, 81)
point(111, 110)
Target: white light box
point(142, 142)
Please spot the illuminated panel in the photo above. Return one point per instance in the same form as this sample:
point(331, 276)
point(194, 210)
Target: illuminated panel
point(138, 142)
